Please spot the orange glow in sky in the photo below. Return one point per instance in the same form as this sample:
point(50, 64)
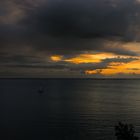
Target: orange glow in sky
point(117, 68)
point(56, 58)
point(89, 58)
point(112, 68)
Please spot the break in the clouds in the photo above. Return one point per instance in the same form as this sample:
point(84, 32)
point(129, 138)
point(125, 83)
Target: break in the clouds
point(33, 31)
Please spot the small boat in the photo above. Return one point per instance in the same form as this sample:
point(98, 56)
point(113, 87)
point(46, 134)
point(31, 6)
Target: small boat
point(41, 90)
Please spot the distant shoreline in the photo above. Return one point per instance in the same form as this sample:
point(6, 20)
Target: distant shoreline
point(4, 78)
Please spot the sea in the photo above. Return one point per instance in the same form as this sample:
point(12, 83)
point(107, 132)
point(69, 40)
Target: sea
point(67, 109)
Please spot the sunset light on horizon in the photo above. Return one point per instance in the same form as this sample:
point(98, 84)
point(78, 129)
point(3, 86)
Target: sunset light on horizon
point(52, 38)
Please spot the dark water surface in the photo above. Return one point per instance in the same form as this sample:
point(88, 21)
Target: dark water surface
point(69, 109)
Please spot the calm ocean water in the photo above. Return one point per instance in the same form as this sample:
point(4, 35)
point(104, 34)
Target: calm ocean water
point(69, 109)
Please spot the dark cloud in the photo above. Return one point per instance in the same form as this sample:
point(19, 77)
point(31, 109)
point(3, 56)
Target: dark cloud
point(6, 59)
point(57, 67)
point(81, 18)
point(69, 28)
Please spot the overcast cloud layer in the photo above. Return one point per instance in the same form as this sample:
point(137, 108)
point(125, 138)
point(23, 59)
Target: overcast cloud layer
point(33, 30)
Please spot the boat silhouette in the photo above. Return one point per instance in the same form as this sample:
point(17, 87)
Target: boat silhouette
point(41, 90)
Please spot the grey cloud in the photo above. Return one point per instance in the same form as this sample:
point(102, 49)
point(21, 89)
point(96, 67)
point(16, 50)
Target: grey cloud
point(61, 27)
point(66, 46)
point(86, 19)
point(28, 63)
point(6, 59)
point(68, 28)
point(80, 18)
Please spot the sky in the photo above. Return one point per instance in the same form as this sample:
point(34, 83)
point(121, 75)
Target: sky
point(70, 38)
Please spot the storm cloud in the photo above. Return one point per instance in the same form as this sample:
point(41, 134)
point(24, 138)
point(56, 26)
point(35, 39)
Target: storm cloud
point(32, 31)
point(55, 24)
